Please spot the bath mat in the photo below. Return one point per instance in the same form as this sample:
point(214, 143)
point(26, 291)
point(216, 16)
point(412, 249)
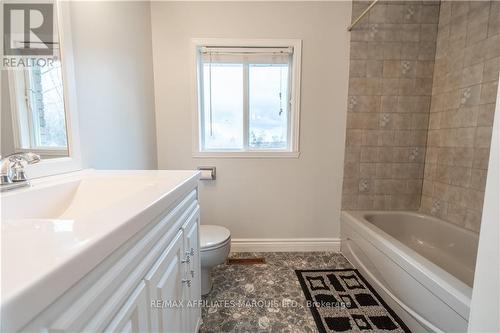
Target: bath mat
point(341, 300)
point(245, 261)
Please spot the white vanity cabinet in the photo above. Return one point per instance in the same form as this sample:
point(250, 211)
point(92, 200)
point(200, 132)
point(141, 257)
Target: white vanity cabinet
point(191, 246)
point(177, 266)
point(147, 285)
point(133, 316)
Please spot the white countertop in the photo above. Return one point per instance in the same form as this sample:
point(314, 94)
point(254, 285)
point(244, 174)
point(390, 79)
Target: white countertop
point(60, 228)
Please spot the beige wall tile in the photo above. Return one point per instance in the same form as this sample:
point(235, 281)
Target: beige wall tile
point(369, 154)
point(477, 19)
point(364, 86)
point(350, 186)
point(472, 199)
point(382, 202)
point(476, 53)
point(489, 92)
point(390, 87)
point(389, 103)
point(364, 103)
point(463, 156)
point(491, 68)
point(357, 68)
point(460, 137)
point(367, 170)
point(374, 68)
point(425, 69)
point(426, 50)
point(470, 96)
point(362, 120)
point(392, 51)
point(410, 51)
point(473, 220)
point(478, 179)
point(391, 68)
point(485, 115)
point(481, 158)
point(383, 171)
point(365, 202)
point(351, 170)
point(394, 13)
point(430, 13)
point(428, 32)
point(492, 47)
point(472, 75)
point(354, 137)
point(349, 201)
point(494, 20)
point(483, 137)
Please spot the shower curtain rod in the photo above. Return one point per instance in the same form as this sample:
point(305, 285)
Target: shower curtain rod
point(349, 28)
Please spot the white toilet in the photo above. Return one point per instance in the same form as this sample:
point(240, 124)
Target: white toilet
point(215, 243)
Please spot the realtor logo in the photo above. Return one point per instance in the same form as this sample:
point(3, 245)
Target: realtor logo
point(28, 29)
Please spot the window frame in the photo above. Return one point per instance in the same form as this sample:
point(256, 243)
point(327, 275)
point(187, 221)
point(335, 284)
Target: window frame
point(24, 132)
point(294, 93)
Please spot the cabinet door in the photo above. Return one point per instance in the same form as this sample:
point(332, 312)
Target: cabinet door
point(133, 316)
point(193, 293)
point(166, 285)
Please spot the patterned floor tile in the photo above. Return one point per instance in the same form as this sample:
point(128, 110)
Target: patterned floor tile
point(264, 297)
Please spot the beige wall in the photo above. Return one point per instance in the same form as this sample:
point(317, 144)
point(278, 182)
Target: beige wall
point(463, 104)
point(114, 84)
point(261, 198)
point(390, 85)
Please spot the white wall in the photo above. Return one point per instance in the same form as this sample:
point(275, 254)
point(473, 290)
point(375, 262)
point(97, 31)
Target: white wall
point(485, 304)
point(114, 83)
point(261, 198)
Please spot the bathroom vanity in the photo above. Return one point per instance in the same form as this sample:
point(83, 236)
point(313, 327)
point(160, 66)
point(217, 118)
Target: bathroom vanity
point(103, 251)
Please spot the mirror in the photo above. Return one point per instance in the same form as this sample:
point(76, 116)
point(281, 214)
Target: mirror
point(34, 112)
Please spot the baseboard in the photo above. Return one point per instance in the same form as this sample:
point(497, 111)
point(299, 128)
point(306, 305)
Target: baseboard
point(285, 244)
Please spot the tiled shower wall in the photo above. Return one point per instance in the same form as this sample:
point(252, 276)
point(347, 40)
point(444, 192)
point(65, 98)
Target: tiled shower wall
point(405, 110)
point(390, 87)
point(462, 108)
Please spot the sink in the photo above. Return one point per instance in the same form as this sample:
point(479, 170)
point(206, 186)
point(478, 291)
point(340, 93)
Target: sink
point(70, 200)
point(34, 203)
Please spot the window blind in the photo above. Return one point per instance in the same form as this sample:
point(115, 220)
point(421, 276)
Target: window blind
point(261, 55)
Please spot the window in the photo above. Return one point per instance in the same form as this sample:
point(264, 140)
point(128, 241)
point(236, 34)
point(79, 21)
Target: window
point(39, 117)
point(248, 102)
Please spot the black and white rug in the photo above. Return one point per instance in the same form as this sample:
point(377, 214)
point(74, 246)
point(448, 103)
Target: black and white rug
point(341, 300)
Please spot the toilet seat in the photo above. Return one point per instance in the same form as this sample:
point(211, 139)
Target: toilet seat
point(213, 237)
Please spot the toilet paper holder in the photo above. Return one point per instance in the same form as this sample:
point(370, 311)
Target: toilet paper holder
point(207, 172)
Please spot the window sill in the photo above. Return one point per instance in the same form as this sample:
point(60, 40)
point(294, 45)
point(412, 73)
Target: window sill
point(246, 154)
point(49, 151)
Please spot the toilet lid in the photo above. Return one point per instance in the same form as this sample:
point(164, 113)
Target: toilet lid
point(213, 235)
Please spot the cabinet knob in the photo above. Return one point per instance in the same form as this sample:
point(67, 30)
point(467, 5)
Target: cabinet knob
point(192, 273)
point(187, 282)
point(187, 260)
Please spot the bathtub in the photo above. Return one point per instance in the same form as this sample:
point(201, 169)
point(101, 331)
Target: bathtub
point(422, 267)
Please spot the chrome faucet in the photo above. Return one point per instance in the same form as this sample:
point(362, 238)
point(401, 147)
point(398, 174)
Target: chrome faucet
point(12, 174)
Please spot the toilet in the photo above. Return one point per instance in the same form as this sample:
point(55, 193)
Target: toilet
point(215, 243)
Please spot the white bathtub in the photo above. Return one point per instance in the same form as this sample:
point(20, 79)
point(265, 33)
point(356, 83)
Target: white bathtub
point(423, 267)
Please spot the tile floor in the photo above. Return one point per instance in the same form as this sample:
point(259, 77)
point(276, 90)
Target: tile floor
point(264, 297)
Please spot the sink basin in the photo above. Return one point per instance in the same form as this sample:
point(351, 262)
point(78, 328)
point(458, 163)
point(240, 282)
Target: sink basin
point(72, 199)
point(33, 203)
